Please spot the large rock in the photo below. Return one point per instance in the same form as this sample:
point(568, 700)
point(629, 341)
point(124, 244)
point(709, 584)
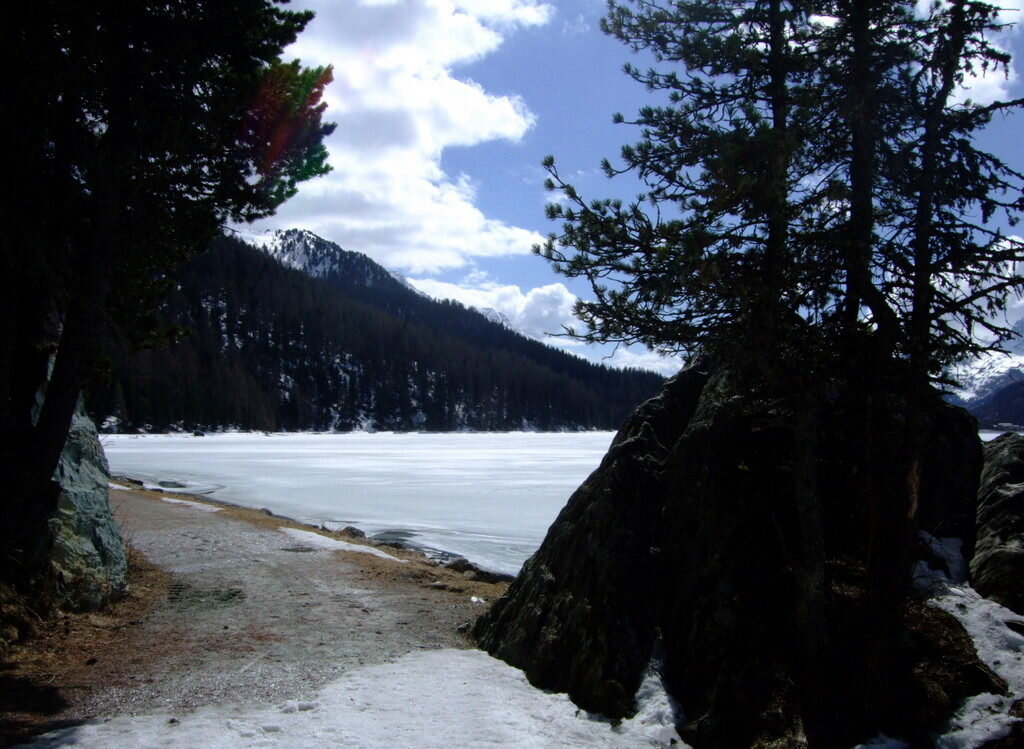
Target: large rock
point(949, 488)
point(88, 567)
point(691, 539)
point(580, 617)
point(997, 569)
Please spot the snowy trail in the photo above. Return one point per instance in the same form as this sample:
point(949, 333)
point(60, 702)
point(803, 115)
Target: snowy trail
point(442, 698)
point(271, 638)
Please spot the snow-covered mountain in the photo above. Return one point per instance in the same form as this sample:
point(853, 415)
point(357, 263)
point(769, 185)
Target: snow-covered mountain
point(987, 374)
point(500, 318)
point(991, 386)
point(292, 332)
point(315, 256)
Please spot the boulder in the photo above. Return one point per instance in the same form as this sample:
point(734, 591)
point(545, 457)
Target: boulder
point(997, 568)
point(88, 566)
point(949, 488)
point(580, 616)
point(476, 572)
point(694, 538)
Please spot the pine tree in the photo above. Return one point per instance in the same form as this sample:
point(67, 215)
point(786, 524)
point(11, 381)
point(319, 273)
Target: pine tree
point(710, 263)
point(135, 130)
point(812, 167)
point(819, 219)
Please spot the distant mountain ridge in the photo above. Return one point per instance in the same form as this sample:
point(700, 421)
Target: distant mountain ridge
point(991, 386)
point(292, 332)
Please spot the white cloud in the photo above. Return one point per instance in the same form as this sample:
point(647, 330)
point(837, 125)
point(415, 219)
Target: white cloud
point(538, 312)
point(398, 105)
point(640, 358)
point(576, 26)
point(986, 86)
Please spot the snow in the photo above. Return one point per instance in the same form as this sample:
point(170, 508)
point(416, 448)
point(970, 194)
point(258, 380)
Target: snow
point(309, 538)
point(487, 496)
point(194, 505)
point(440, 698)
point(171, 486)
point(983, 717)
point(883, 742)
point(987, 373)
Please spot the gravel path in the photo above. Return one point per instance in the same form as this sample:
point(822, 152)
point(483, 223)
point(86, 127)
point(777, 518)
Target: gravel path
point(254, 615)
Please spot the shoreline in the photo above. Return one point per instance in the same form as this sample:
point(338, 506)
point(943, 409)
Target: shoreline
point(386, 539)
point(488, 497)
point(232, 606)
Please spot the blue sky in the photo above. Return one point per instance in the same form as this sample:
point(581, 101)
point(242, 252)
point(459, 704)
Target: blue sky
point(445, 109)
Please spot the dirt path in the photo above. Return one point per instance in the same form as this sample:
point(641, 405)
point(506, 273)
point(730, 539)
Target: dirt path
point(241, 613)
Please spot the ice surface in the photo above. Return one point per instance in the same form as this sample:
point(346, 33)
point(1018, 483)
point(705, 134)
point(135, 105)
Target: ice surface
point(489, 497)
point(440, 698)
point(323, 542)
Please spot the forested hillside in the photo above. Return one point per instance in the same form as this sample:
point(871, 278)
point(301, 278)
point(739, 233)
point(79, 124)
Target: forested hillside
point(273, 348)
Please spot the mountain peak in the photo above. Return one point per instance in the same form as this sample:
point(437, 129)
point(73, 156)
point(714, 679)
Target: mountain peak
point(315, 256)
point(500, 318)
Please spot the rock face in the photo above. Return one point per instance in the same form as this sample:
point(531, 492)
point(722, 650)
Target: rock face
point(691, 536)
point(580, 617)
point(998, 565)
point(88, 567)
point(951, 486)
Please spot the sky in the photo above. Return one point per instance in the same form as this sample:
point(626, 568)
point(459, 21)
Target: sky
point(445, 109)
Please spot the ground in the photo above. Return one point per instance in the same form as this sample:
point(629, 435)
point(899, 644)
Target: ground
point(226, 607)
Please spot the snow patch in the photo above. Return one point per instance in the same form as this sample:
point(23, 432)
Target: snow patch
point(179, 487)
point(440, 698)
point(984, 717)
point(950, 551)
point(881, 741)
point(193, 505)
point(323, 542)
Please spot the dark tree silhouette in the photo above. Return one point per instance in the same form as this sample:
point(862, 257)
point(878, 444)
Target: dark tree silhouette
point(820, 219)
point(134, 131)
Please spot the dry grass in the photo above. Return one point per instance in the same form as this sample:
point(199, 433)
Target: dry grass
point(36, 674)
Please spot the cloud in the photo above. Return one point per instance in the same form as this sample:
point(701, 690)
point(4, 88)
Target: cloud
point(538, 312)
point(640, 358)
point(398, 104)
point(986, 86)
point(576, 26)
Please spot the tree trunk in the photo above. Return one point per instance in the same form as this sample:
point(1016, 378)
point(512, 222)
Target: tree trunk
point(923, 293)
point(33, 494)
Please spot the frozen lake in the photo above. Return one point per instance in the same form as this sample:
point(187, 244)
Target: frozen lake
point(489, 497)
